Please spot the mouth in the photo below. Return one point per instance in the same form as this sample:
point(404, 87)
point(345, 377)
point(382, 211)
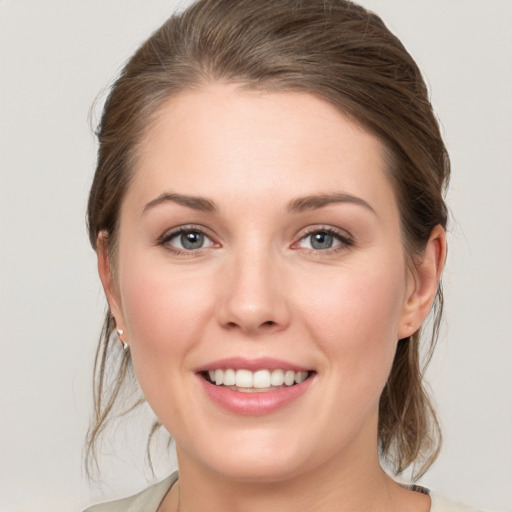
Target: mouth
point(255, 387)
point(263, 380)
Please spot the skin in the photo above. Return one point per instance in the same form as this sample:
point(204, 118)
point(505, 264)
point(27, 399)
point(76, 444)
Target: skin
point(257, 289)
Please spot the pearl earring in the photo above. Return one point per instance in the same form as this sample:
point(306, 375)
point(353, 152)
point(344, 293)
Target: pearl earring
point(119, 334)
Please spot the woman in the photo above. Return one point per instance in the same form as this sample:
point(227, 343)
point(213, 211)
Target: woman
point(269, 221)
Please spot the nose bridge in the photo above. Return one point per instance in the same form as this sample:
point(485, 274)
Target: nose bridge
point(253, 298)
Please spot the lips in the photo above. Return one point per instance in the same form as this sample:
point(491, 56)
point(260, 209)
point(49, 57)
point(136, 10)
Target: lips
point(254, 387)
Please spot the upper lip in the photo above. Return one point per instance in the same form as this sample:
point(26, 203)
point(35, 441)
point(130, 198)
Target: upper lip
point(260, 363)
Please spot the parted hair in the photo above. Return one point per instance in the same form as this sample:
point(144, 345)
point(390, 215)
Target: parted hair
point(341, 53)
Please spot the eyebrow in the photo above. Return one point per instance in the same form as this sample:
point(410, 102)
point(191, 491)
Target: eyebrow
point(195, 203)
point(319, 201)
point(297, 205)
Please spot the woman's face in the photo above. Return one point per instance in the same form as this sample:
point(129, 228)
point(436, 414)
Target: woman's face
point(259, 242)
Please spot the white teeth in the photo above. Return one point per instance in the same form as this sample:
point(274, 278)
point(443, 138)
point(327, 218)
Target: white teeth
point(243, 378)
point(229, 377)
point(300, 377)
point(289, 378)
point(260, 379)
point(277, 378)
point(219, 377)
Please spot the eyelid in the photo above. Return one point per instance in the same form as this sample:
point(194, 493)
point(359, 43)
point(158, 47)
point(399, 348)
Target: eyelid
point(168, 235)
point(344, 237)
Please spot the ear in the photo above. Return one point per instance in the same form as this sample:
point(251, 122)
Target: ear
point(423, 283)
point(107, 279)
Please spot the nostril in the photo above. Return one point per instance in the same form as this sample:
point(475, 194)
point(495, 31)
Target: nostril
point(269, 324)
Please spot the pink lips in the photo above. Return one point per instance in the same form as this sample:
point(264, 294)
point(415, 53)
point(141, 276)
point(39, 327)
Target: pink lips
point(261, 363)
point(253, 403)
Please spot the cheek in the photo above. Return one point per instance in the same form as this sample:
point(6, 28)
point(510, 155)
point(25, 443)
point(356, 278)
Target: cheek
point(164, 316)
point(162, 309)
point(356, 319)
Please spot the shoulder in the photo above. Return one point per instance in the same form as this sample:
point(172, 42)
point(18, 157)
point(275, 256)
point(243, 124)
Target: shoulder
point(146, 501)
point(443, 504)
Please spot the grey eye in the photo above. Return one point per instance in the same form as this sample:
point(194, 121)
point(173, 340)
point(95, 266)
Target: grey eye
point(191, 240)
point(321, 240)
point(187, 240)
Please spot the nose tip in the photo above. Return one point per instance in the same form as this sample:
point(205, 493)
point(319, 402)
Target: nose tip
point(253, 301)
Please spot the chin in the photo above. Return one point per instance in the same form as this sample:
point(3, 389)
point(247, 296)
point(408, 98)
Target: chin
point(262, 461)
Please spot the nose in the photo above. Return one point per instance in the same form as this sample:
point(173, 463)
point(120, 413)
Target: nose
point(252, 296)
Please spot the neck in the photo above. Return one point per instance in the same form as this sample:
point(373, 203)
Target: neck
point(315, 491)
point(343, 484)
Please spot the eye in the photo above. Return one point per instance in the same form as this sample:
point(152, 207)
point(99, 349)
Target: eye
point(187, 239)
point(323, 240)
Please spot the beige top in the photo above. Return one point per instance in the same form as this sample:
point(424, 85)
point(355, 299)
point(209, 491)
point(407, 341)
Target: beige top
point(150, 499)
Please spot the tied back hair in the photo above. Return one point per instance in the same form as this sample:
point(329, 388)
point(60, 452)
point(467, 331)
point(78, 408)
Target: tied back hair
point(341, 53)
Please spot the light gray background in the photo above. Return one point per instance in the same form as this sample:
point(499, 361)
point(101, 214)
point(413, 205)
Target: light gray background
point(55, 56)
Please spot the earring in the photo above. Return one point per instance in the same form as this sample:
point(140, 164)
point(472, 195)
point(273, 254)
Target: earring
point(124, 344)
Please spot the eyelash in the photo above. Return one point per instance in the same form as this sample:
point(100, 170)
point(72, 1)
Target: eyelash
point(167, 237)
point(345, 242)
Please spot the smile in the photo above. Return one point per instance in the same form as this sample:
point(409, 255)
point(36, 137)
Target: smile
point(254, 387)
point(244, 380)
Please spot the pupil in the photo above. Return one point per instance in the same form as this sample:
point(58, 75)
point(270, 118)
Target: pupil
point(192, 240)
point(321, 241)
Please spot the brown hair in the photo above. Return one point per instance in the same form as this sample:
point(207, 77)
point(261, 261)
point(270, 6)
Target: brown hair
point(343, 54)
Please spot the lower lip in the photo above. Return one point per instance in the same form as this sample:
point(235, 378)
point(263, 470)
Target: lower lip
point(254, 403)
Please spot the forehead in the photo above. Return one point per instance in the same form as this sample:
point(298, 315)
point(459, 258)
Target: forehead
point(224, 142)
